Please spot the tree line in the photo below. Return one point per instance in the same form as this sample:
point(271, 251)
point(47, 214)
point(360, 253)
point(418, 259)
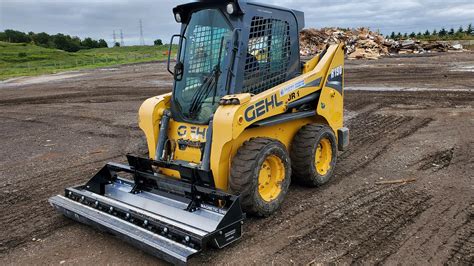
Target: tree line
point(442, 34)
point(57, 41)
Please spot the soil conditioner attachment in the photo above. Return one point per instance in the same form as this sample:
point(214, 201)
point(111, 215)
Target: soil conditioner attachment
point(246, 117)
point(168, 218)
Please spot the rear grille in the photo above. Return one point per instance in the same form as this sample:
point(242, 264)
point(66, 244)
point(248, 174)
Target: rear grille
point(268, 55)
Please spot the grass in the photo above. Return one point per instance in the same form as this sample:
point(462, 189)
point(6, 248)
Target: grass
point(22, 59)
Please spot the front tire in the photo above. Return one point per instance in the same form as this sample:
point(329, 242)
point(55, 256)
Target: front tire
point(313, 155)
point(261, 174)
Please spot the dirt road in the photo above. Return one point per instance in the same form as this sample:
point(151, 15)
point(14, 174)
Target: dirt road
point(57, 132)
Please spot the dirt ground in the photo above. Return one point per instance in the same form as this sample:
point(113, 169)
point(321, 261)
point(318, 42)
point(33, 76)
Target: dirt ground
point(57, 132)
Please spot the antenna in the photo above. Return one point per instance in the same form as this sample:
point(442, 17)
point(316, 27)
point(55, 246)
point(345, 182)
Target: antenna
point(121, 38)
point(115, 38)
point(142, 40)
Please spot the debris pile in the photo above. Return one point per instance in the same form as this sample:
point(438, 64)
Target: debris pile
point(416, 47)
point(362, 43)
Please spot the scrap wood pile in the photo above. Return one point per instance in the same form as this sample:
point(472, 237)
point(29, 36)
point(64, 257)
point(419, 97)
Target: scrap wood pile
point(365, 44)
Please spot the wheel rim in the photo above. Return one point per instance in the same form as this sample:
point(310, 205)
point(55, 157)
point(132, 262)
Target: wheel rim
point(271, 175)
point(323, 156)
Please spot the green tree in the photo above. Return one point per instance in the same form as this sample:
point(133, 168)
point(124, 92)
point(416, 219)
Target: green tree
point(469, 30)
point(405, 35)
point(42, 39)
point(117, 44)
point(418, 35)
point(58, 41)
point(67, 43)
point(158, 42)
point(435, 32)
point(15, 36)
point(75, 41)
point(442, 32)
point(32, 36)
point(412, 35)
point(392, 36)
point(3, 36)
point(89, 43)
point(460, 30)
point(451, 32)
point(427, 33)
point(103, 43)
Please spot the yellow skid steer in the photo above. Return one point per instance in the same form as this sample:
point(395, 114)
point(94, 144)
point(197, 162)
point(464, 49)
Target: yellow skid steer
point(245, 117)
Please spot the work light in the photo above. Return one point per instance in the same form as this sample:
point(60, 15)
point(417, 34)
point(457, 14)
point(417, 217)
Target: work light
point(177, 17)
point(230, 8)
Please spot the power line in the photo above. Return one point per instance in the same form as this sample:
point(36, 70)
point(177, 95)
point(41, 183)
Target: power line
point(142, 40)
point(121, 38)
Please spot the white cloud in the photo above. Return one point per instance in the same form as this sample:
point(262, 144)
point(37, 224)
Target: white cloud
point(98, 18)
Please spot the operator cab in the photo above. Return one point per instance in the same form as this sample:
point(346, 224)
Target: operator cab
point(230, 47)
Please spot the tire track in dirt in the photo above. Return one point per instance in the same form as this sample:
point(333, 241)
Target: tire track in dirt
point(44, 119)
point(360, 231)
point(27, 212)
point(462, 252)
point(371, 136)
point(436, 161)
point(306, 212)
point(109, 94)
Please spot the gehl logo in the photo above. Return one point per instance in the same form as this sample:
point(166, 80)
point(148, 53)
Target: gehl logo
point(196, 132)
point(261, 107)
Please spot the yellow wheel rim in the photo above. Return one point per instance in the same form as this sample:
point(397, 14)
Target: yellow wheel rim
point(323, 157)
point(272, 173)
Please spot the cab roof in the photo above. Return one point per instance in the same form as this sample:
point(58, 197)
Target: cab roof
point(243, 6)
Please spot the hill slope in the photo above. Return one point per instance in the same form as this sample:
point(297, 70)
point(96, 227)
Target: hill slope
point(22, 59)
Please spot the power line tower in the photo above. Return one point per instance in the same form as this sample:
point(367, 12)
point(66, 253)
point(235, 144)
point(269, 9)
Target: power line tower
point(121, 38)
point(115, 38)
point(142, 40)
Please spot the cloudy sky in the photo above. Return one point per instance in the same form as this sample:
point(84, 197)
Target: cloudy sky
point(98, 18)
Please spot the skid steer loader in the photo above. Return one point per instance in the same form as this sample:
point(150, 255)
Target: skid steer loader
point(244, 117)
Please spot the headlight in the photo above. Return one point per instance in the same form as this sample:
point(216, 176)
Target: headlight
point(230, 8)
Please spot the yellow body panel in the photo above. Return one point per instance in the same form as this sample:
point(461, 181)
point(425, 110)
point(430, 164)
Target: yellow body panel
point(149, 117)
point(188, 132)
point(311, 64)
point(331, 99)
point(231, 122)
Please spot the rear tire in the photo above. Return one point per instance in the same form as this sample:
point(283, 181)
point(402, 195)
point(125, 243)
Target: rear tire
point(313, 155)
point(261, 174)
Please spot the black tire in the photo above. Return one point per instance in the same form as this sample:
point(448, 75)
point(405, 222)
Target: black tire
point(303, 152)
point(244, 175)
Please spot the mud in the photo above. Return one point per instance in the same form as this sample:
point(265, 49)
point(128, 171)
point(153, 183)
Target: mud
point(58, 132)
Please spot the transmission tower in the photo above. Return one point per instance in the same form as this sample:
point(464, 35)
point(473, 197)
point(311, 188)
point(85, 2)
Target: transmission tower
point(115, 38)
point(121, 38)
point(142, 40)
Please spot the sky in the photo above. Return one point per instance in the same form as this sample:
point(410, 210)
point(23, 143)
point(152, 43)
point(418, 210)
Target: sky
point(99, 18)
